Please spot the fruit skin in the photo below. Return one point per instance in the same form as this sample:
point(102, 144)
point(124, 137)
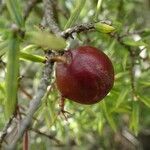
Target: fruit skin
point(87, 77)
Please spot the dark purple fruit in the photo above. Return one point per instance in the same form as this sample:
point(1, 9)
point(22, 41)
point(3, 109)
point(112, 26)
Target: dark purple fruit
point(86, 77)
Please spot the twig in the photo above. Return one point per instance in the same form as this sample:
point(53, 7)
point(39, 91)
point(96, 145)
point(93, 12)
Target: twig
point(46, 135)
point(35, 119)
point(26, 141)
point(77, 29)
point(29, 96)
point(30, 5)
point(49, 16)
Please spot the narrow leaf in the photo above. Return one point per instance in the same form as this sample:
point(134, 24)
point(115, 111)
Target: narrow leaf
point(29, 48)
point(99, 3)
point(131, 42)
point(121, 74)
point(15, 12)
point(121, 97)
point(145, 83)
point(3, 47)
point(101, 121)
point(135, 117)
point(47, 40)
point(33, 58)
point(75, 14)
point(12, 75)
point(109, 116)
point(125, 60)
point(145, 100)
point(2, 93)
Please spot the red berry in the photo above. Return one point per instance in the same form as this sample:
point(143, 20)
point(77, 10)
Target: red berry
point(87, 77)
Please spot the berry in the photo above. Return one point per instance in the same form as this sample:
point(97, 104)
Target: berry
point(86, 77)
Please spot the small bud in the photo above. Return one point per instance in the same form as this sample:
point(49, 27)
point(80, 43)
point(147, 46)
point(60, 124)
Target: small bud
point(103, 27)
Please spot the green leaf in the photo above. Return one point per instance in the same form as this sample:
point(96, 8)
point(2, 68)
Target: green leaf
point(135, 117)
point(101, 120)
point(12, 76)
point(131, 42)
point(121, 74)
point(121, 97)
point(47, 117)
point(2, 93)
point(145, 100)
point(2, 90)
point(75, 14)
point(47, 40)
point(125, 60)
point(123, 109)
point(15, 12)
point(109, 117)
point(145, 83)
point(99, 4)
point(146, 32)
point(103, 27)
point(3, 47)
point(33, 58)
point(29, 48)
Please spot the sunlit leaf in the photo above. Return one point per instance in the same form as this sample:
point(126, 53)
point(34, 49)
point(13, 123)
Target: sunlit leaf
point(123, 109)
point(101, 121)
point(145, 100)
point(99, 4)
point(125, 61)
point(145, 83)
point(15, 12)
point(2, 93)
point(29, 48)
point(75, 14)
point(135, 117)
point(47, 40)
point(121, 74)
point(31, 57)
point(3, 47)
point(131, 42)
point(121, 97)
point(109, 116)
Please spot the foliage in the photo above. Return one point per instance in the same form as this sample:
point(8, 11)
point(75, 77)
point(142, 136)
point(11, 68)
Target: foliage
point(128, 103)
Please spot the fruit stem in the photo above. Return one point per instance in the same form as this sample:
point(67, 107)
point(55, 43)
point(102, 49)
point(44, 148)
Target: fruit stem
point(62, 103)
point(59, 59)
point(62, 111)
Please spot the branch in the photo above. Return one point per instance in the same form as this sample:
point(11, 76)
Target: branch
point(30, 5)
point(77, 29)
point(49, 16)
point(46, 135)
